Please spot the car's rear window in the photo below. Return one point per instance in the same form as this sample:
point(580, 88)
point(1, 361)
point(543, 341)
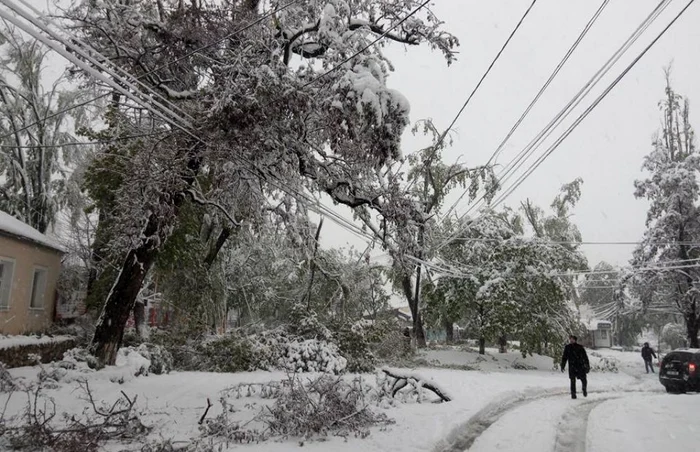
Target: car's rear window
point(679, 356)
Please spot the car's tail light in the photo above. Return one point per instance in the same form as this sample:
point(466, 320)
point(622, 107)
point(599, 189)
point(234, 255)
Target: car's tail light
point(691, 368)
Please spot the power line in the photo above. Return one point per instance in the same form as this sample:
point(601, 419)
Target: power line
point(119, 83)
point(573, 242)
point(571, 128)
point(544, 87)
point(103, 60)
point(443, 135)
point(568, 108)
point(94, 99)
point(314, 205)
point(82, 143)
point(533, 145)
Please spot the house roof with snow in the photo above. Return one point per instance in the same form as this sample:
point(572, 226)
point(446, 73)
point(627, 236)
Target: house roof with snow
point(595, 324)
point(12, 227)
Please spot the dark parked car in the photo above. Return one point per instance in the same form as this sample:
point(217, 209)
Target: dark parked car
point(680, 370)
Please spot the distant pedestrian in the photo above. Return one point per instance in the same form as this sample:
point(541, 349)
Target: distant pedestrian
point(579, 366)
point(647, 354)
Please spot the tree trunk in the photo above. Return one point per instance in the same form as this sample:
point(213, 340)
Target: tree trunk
point(502, 344)
point(140, 320)
point(418, 331)
point(216, 247)
point(449, 331)
point(482, 346)
point(693, 325)
point(109, 331)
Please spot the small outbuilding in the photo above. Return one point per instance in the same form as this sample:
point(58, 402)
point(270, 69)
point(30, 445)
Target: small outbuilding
point(599, 334)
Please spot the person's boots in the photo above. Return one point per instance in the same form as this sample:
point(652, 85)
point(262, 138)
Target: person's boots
point(585, 392)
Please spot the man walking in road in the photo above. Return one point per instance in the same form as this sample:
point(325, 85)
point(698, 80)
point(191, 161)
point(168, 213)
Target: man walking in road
point(647, 354)
point(576, 355)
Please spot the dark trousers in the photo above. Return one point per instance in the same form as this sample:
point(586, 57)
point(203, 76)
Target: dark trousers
point(584, 384)
point(648, 365)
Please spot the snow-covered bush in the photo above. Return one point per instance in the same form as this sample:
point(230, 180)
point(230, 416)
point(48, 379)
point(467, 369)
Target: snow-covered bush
point(354, 346)
point(229, 353)
point(311, 355)
point(7, 383)
point(305, 324)
point(393, 348)
point(160, 358)
point(605, 364)
point(132, 359)
point(673, 335)
point(321, 406)
point(78, 355)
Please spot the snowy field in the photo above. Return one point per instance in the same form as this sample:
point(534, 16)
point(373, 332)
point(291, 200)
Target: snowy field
point(499, 406)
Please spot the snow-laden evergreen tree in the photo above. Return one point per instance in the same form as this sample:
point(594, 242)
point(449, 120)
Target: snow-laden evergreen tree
point(296, 102)
point(669, 245)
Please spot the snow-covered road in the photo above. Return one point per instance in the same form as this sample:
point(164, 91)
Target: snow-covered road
point(605, 421)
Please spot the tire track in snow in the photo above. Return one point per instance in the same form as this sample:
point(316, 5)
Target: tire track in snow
point(462, 437)
point(572, 429)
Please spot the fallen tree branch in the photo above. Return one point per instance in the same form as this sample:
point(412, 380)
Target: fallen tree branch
point(209, 405)
point(401, 381)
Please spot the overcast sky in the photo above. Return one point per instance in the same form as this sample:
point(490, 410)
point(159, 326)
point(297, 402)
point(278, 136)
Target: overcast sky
point(606, 150)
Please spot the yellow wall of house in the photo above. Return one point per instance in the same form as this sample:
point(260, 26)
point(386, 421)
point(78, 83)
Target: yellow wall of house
point(18, 318)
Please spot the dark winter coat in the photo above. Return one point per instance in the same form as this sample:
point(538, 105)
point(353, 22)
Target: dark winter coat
point(647, 353)
point(576, 355)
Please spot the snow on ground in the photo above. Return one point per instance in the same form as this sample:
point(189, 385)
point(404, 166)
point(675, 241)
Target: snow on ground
point(652, 422)
point(14, 341)
point(495, 408)
point(468, 358)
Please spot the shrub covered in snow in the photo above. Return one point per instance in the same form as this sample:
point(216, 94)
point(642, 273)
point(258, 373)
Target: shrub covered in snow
point(229, 353)
point(160, 358)
point(311, 355)
point(673, 335)
point(605, 364)
point(354, 346)
point(7, 383)
point(321, 406)
point(305, 324)
point(78, 355)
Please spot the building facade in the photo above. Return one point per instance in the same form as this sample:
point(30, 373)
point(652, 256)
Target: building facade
point(30, 264)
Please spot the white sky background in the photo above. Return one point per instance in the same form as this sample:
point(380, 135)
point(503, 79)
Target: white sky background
point(606, 150)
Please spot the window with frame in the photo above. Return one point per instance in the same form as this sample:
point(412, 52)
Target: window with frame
point(603, 334)
point(6, 270)
point(38, 288)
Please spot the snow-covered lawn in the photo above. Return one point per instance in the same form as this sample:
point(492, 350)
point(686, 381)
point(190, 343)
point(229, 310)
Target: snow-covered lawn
point(499, 408)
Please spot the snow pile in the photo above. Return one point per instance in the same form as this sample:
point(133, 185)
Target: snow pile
point(131, 362)
point(601, 363)
point(18, 341)
point(468, 359)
